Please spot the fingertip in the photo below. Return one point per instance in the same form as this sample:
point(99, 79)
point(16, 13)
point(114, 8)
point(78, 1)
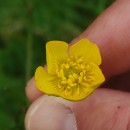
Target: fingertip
point(31, 91)
point(47, 113)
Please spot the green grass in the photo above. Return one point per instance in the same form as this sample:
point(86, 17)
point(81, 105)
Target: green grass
point(25, 27)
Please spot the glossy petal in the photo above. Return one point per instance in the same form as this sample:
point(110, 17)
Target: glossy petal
point(88, 50)
point(76, 96)
point(95, 76)
point(44, 81)
point(56, 53)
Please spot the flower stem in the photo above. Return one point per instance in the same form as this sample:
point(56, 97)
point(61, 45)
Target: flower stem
point(29, 40)
point(29, 56)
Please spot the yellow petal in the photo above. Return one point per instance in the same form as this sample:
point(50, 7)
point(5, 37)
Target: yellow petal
point(78, 95)
point(95, 76)
point(87, 49)
point(44, 81)
point(56, 53)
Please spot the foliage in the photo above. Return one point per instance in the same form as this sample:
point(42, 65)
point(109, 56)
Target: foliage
point(25, 26)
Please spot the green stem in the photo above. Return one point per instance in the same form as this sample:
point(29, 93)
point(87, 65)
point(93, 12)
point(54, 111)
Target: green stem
point(29, 56)
point(29, 40)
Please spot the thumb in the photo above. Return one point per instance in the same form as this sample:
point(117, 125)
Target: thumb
point(50, 113)
point(104, 110)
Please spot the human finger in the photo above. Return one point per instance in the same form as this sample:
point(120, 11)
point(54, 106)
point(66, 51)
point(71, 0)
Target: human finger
point(110, 32)
point(103, 110)
point(31, 90)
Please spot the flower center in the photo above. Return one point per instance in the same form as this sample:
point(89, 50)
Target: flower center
point(73, 75)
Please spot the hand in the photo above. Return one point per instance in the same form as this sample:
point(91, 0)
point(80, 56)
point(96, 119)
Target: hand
point(105, 109)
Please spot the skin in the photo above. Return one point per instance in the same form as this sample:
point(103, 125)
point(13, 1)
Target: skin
point(108, 108)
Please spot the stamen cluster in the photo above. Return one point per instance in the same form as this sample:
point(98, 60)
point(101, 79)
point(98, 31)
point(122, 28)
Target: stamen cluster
point(73, 75)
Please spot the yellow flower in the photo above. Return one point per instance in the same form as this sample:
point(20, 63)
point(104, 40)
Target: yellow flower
point(72, 73)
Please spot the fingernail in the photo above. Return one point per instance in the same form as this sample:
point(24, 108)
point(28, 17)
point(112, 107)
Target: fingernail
point(49, 114)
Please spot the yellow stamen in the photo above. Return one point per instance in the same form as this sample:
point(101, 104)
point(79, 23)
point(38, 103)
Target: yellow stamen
point(80, 79)
point(66, 66)
point(72, 75)
point(75, 76)
point(64, 78)
point(72, 78)
point(80, 60)
point(69, 81)
point(73, 84)
point(63, 82)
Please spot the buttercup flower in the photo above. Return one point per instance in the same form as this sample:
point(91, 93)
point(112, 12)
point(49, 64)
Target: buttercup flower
point(72, 73)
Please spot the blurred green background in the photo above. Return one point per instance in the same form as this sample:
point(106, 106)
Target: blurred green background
point(25, 27)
